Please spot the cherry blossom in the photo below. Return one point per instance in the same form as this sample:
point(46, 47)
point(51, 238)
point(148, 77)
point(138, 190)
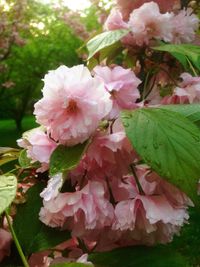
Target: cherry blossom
point(73, 104)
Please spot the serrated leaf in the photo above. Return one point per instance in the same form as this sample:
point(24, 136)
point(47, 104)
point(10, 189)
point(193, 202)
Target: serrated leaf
point(169, 143)
point(8, 188)
point(66, 158)
point(183, 53)
point(190, 111)
point(139, 257)
point(71, 264)
point(32, 234)
point(24, 161)
point(8, 154)
point(103, 40)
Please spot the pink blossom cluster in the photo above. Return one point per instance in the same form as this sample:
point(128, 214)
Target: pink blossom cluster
point(147, 23)
point(113, 200)
point(187, 91)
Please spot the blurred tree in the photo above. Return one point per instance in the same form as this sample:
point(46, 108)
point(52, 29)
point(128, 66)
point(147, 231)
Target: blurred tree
point(49, 43)
point(35, 38)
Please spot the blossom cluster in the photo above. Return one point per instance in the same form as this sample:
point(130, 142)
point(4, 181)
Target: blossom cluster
point(112, 198)
point(147, 23)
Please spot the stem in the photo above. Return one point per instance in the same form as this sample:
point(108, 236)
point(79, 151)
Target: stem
point(145, 84)
point(192, 68)
point(82, 245)
point(137, 180)
point(11, 171)
point(16, 241)
point(111, 126)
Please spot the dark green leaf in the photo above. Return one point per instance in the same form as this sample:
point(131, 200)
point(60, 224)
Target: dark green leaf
point(183, 53)
point(139, 257)
point(66, 158)
point(169, 143)
point(190, 111)
point(103, 40)
point(8, 187)
point(32, 234)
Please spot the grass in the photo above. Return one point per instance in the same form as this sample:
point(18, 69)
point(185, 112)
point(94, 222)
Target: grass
point(9, 134)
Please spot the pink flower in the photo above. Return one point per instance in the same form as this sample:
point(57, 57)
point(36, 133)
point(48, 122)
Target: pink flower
point(108, 155)
point(122, 85)
point(184, 25)
point(84, 259)
point(152, 209)
point(115, 21)
point(73, 104)
point(5, 242)
point(39, 146)
point(54, 185)
point(147, 23)
point(40, 259)
point(127, 6)
point(188, 91)
point(79, 211)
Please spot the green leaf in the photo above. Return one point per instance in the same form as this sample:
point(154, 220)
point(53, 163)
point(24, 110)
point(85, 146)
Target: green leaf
point(71, 264)
point(183, 53)
point(8, 188)
point(32, 234)
point(169, 143)
point(24, 161)
point(66, 158)
point(139, 257)
point(190, 111)
point(8, 154)
point(103, 40)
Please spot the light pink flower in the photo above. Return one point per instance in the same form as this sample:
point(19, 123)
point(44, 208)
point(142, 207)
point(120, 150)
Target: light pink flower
point(127, 6)
point(152, 209)
point(184, 25)
point(147, 23)
point(115, 21)
point(122, 85)
point(5, 242)
point(108, 155)
point(38, 145)
point(54, 185)
point(188, 91)
point(73, 104)
point(84, 259)
point(79, 211)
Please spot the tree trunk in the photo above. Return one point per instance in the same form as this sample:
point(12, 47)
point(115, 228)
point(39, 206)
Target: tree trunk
point(18, 123)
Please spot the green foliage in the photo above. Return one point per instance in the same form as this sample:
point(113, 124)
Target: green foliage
point(24, 161)
point(8, 187)
point(185, 53)
point(66, 158)
point(191, 112)
point(8, 126)
point(32, 234)
point(139, 257)
point(104, 40)
point(8, 154)
point(169, 143)
point(45, 49)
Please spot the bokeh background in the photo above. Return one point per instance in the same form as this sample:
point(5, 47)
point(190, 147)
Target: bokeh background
point(37, 36)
